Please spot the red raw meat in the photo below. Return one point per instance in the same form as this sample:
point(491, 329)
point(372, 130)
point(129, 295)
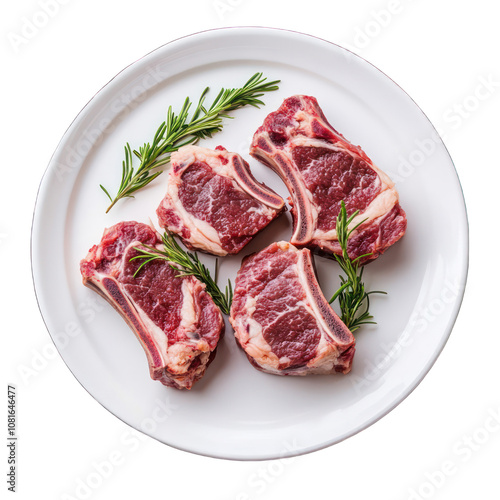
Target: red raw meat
point(213, 202)
point(321, 169)
point(281, 318)
point(174, 318)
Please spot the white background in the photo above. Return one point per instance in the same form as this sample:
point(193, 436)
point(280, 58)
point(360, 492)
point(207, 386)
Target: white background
point(441, 442)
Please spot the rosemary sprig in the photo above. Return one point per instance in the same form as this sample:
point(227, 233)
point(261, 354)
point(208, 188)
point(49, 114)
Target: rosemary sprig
point(179, 131)
point(190, 265)
point(351, 294)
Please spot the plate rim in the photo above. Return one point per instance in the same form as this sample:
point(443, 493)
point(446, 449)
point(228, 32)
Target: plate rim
point(446, 331)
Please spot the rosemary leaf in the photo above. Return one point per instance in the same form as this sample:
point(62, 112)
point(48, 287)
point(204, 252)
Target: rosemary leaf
point(178, 131)
point(354, 300)
point(190, 265)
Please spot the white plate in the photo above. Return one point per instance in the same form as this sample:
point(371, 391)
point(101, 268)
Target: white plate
point(235, 411)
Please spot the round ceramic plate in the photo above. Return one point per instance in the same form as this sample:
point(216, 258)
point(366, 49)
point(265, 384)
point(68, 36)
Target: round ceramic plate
point(236, 411)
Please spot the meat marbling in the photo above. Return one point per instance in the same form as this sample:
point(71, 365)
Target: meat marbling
point(321, 168)
point(174, 318)
point(281, 318)
point(213, 202)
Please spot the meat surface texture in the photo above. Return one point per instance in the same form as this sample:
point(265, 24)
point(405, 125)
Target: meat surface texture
point(174, 318)
point(213, 202)
point(321, 168)
point(281, 318)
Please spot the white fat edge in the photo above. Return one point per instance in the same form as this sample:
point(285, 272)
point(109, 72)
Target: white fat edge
point(380, 205)
point(131, 245)
point(305, 141)
point(286, 246)
point(254, 343)
point(180, 356)
point(189, 317)
point(315, 209)
point(270, 368)
point(188, 313)
point(185, 378)
point(189, 154)
point(304, 370)
point(266, 211)
point(324, 366)
point(203, 235)
point(118, 267)
point(183, 156)
point(326, 355)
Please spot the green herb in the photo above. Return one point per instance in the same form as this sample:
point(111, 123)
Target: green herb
point(190, 265)
point(351, 294)
point(179, 131)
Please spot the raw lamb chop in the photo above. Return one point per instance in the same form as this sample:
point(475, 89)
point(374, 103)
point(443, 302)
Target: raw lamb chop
point(174, 318)
point(281, 318)
point(213, 202)
point(321, 168)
